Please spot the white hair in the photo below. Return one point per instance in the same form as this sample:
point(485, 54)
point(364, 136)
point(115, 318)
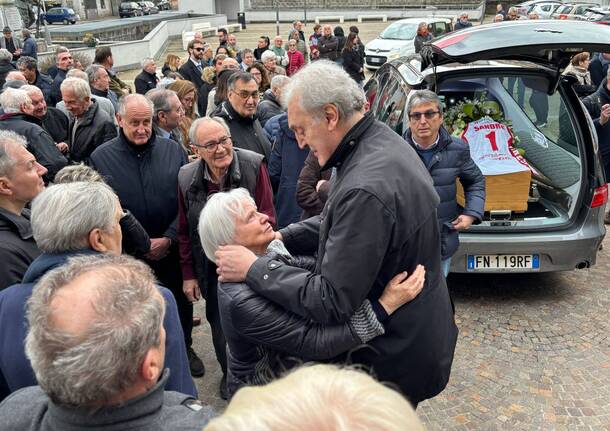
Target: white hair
point(147, 61)
point(5, 55)
point(8, 140)
point(217, 220)
point(324, 82)
point(63, 215)
point(268, 55)
point(80, 87)
point(318, 397)
point(77, 73)
point(29, 89)
point(13, 99)
point(203, 121)
point(91, 366)
point(279, 82)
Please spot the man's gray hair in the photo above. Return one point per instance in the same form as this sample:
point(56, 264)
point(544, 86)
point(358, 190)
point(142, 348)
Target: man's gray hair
point(160, 97)
point(28, 62)
point(9, 139)
point(5, 55)
point(132, 98)
point(25, 33)
point(268, 55)
point(278, 82)
point(76, 173)
point(77, 73)
point(147, 61)
point(13, 99)
point(217, 220)
point(30, 89)
point(80, 87)
point(93, 72)
point(420, 97)
point(63, 215)
point(90, 367)
point(206, 120)
point(324, 82)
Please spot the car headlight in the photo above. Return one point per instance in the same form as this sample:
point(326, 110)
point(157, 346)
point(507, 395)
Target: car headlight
point(393, 55)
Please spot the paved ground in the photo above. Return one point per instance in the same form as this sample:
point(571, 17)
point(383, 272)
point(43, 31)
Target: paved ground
point(533, 353)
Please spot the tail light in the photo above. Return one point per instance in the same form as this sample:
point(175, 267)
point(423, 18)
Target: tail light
point(600, 196)
point(603, 22)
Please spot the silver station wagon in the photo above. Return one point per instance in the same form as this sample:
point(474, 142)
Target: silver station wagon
point(514, 69)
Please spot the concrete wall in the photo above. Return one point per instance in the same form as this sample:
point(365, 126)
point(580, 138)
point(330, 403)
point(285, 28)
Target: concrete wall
point(197, 6)
point(128, 55)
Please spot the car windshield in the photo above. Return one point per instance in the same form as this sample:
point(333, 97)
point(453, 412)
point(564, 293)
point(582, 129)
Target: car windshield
point(400, 31)
point(71, 11)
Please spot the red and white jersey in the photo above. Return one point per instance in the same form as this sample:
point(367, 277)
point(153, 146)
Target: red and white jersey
point(491, 147)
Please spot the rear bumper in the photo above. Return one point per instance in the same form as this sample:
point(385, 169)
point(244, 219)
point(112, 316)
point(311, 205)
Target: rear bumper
point(559, 251)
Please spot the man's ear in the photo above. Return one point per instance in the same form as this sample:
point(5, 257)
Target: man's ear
point(151, 368)
point(331, 114)
point(96, 240)
point(5, 187)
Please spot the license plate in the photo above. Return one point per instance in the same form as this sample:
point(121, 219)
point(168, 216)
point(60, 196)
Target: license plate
point(374, 60)
point(508, 262)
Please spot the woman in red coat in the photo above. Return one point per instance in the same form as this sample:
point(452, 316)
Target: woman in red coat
point(295, 58)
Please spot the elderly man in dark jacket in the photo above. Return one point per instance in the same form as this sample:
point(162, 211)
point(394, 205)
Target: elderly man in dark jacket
point(380, 220)
point(147, 79)
point(21, 179)
point(447, 159)
point(271, 106)
point(328, 44)
point(29, 67)
point(143, 170)
point(239, 112)
point(89, 127)
point(17, 117)
point(66, 223)
point(52, 120)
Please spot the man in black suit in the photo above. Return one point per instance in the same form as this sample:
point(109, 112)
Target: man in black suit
point(192, 68)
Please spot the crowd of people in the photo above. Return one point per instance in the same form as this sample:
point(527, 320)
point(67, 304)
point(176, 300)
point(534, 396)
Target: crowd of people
point(246, 178)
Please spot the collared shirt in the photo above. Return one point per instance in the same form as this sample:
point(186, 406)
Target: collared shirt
point(164, 133)
point(428, 152)
point(198, 65)
point(420, 147)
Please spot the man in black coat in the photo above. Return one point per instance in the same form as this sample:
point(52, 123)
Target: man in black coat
point(239, 112)
point(328, 44)
point(52, 120)
point(270, 106)
point(147, 79)
point(143, 168)
point(89, 126)
point(20, 182)
point(29, 67)
point(5, 65)
point(64, 63)
point(447, 158)
point(17, 117)
point(379, 220)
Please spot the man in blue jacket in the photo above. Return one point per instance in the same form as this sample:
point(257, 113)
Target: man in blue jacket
point(142, 168)
point(447, 158)
point(68, 220)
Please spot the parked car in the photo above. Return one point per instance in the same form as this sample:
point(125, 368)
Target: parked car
point(598, 16)
point(544, 8)
point(163, 4)
point(130, 9)
point(572, 10)
point(563, 225)
point(148, 7)
point(397, 40)
point(63, 15)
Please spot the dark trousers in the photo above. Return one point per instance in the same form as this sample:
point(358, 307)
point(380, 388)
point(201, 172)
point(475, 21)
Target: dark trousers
point(539, 102)
point(212, 314)
point(520, 89)
point(169, 274)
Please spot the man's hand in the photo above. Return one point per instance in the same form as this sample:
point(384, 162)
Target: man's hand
point(402, 289)
point(463, 222)
point(234, 262)
point(191, 290)
point(319, 184)
point(604, 115)
point(62, 147)
point(159, 248)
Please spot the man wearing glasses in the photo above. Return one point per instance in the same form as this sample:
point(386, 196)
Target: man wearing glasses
point(220, 167)
point(239, 112)
point(447, 158)
point(192, 68)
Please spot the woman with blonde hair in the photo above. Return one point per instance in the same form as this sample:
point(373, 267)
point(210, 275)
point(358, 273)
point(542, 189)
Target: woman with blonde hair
point(172, 64)
point(187, 93)
point(318, 398)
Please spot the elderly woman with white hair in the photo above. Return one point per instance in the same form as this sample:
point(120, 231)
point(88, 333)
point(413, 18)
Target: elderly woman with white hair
point(269, 60)
point(263, 338)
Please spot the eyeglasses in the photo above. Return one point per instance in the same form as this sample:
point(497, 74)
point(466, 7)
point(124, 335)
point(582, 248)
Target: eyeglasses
point(255, 72)
point(211, 147)
point(245, 95)
point(416, 116)
point(199, 49)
